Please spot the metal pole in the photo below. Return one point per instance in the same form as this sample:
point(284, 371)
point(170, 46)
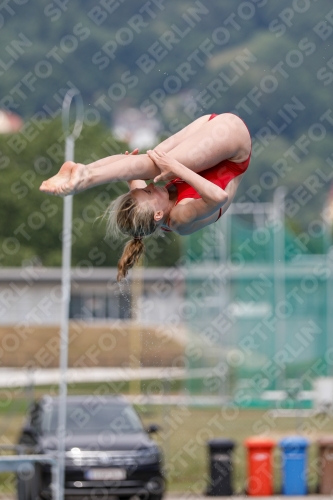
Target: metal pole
point(66, 283)
point(224, 388)
point(328, 256)
point(136, 329)
point(230, 289)
point(279, 271)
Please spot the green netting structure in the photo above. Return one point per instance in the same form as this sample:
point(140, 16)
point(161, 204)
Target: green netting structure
point(259, 306)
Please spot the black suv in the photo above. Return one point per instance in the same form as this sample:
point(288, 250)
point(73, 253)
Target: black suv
point(108, 452)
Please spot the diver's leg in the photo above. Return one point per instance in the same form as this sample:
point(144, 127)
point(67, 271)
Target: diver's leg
point(175, 139)
point(226, 136)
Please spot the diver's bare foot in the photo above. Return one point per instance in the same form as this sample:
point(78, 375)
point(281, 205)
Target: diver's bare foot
point(67, 181)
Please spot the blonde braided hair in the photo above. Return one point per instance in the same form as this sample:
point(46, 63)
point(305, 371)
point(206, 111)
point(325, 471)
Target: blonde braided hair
point(128, 217)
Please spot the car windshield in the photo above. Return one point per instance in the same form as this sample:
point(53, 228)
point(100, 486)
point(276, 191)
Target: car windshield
point(93, 418)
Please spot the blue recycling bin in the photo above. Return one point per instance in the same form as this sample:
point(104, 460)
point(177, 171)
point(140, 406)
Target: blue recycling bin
point(294, 465)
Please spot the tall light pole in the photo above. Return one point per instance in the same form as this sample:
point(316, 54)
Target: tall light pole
point(327, 215)
point(71, 136)
point(279, 272)
point(135, 329)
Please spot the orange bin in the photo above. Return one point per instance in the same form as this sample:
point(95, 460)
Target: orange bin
point(260, 470)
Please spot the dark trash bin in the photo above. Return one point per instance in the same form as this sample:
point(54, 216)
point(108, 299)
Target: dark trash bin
point(294, 465)
point(220, 466)
point(326, 465)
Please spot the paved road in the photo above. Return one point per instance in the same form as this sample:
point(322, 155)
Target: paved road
point(186, 496)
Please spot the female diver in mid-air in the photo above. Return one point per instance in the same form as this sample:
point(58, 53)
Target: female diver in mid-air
point(204, 164)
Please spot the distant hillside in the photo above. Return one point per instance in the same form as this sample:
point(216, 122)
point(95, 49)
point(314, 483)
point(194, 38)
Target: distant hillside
point(150, 53)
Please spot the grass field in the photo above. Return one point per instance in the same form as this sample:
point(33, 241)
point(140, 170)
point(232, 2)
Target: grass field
point(93, 345)
point(184, 435)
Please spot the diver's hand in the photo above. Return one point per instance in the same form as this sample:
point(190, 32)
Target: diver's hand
point(169, 166)
point(134, 152)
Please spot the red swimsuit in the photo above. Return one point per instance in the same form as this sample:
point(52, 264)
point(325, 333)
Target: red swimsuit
point(221, 174)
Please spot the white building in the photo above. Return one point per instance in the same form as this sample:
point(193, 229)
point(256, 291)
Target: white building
point(33, 295)
point(9, 122)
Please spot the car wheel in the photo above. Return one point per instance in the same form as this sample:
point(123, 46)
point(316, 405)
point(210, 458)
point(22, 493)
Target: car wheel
point(155, 497)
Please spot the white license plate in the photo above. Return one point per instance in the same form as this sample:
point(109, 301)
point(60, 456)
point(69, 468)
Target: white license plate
point(106, 474)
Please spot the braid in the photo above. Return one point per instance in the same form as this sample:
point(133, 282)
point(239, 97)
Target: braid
point(131, 254)
point(127, 216)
